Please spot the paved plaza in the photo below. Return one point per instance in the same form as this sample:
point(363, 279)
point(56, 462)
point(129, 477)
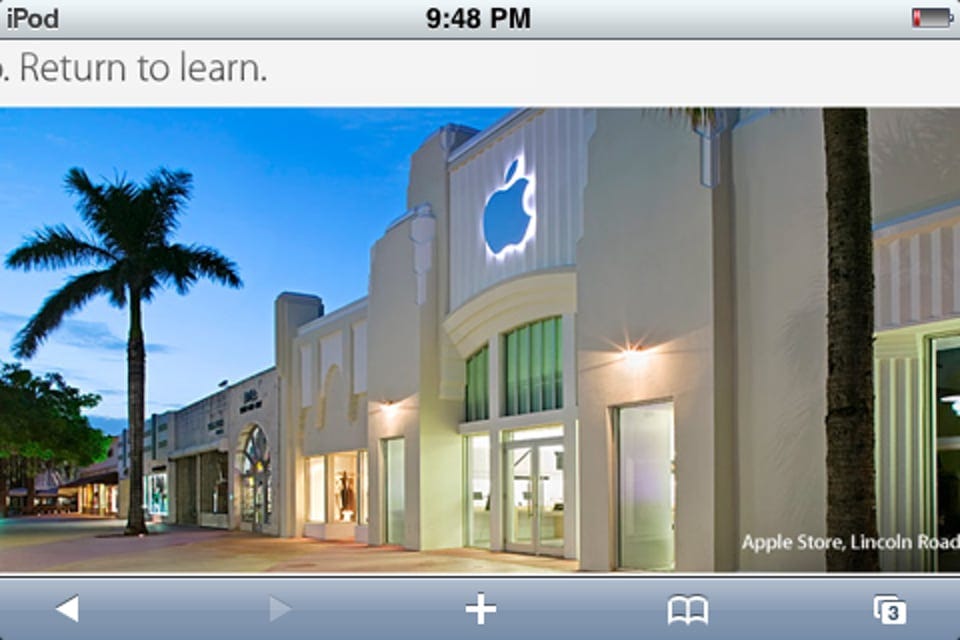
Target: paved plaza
point(93, 545)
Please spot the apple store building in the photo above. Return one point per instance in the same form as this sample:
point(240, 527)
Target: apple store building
point(595, 334)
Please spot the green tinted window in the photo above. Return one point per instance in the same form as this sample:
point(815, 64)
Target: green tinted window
point(478, 386)
point(533, 368)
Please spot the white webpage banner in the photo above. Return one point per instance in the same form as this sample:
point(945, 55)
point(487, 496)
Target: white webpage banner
point(419, 73)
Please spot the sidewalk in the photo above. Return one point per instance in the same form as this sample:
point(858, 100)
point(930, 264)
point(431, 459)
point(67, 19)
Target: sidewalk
point(94, 545)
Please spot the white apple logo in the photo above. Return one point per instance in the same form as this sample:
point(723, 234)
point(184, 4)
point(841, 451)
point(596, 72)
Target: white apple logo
point(506, 220)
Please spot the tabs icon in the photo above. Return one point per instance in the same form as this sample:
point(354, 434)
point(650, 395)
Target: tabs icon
point(889, 609)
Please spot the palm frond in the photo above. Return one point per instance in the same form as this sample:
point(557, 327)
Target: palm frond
point(169, 190)
point(182, 265)
point(58, 305)
point(55, 248)
point(696, 115)
point(92, 202)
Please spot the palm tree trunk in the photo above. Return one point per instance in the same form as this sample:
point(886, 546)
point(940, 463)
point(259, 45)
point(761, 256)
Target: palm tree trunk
point(3, 487)
point(136, 383)
point(851, 474)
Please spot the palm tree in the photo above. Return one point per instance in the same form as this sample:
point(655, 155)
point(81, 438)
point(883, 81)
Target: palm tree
point(129, 248)
point(850, 466)
point(851, 473)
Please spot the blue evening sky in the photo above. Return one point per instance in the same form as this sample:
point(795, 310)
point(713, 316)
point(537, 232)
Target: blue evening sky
point(296, 197)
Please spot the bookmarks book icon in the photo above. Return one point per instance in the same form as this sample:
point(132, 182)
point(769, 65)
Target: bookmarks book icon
point(688, 609)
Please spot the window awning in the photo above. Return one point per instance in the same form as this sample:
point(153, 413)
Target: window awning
point(107, 477)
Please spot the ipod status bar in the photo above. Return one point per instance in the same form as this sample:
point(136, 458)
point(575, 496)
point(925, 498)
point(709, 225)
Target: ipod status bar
point(479, 19)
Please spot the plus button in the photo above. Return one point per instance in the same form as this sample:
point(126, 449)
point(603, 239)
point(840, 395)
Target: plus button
point(481, 608)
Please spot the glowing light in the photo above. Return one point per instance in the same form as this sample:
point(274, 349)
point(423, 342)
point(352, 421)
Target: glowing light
point(517, 172)
point(633, 355)
point(389, 408)
point(954, 401)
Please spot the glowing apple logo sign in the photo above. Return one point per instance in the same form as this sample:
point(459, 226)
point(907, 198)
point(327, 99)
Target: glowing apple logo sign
point(509, 216)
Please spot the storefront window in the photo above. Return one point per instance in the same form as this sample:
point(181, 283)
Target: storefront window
point(155, 493)
point(213, 482)
point(478, 386)
point(478, 490)
point(246, 499)
point(535, 433)
point(256, 497)
point(533, 367)
point(318, 484)
point(344, 487)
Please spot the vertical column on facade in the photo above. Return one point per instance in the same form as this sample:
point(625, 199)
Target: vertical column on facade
point(571, 473)
point(496, 453)
point(172, 490)
point(904, 448)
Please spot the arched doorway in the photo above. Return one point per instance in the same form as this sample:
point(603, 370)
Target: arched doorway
point(256, 497)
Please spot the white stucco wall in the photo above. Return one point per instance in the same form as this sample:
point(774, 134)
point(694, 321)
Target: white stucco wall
point(644, 269)
point(780, 257)
point(335, 415)
point(291, 311)
point(393, 341)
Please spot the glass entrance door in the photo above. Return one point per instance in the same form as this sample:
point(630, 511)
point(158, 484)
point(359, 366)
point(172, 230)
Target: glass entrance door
point(646, 504)
point(946, 417)
point(394, 493)
point(550, 497)
point(534, 521)
point(520, 506)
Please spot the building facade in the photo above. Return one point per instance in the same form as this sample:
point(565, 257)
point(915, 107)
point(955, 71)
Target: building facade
point(220, 468)
point(495, 378)
point(600, 335)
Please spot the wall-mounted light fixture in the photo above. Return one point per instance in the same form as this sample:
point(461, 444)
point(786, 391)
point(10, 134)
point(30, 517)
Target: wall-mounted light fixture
point(632, 354)
point(389, 408)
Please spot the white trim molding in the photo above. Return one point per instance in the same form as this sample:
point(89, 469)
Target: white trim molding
point(509, 304)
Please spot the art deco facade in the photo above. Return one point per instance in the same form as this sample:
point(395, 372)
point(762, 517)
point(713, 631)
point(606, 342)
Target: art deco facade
point(600, 334)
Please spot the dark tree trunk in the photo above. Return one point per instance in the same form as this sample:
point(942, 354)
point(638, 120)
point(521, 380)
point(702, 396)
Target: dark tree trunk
point(3, 488)
point(30, 482)
point(136, 383)
point(851, 476)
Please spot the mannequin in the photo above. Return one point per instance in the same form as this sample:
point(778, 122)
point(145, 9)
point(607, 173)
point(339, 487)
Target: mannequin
point(346, 498)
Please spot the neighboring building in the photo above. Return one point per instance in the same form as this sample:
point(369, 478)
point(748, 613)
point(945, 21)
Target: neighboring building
point(97, 486)
point(218, 470)
point(48, 495)
point(209, 463)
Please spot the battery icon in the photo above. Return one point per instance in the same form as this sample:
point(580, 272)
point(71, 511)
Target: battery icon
point(932, 18)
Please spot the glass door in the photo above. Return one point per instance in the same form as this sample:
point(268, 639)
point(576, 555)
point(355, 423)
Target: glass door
point(394, 491)
point(550, 496)
point(520, 503)
point(946, 416)
point(534, 505)
point(647, 493)
point(477, 517)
